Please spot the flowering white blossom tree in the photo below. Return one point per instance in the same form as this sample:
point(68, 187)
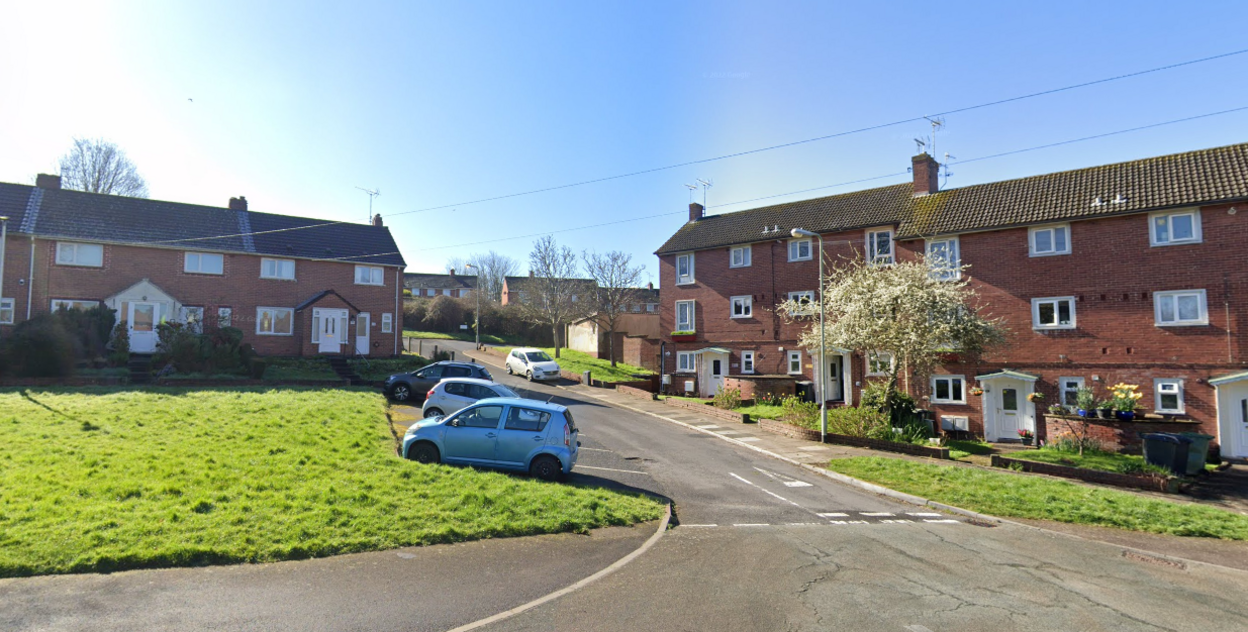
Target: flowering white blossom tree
point(903, 309)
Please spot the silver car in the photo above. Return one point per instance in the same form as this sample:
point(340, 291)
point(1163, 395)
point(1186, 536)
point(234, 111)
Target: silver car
point(532, 363)
point(452, 394)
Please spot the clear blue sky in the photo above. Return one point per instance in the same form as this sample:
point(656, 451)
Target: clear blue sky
point(297, 103)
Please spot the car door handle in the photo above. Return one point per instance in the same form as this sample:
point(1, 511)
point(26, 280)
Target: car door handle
point(490, 435)
point(537, 438)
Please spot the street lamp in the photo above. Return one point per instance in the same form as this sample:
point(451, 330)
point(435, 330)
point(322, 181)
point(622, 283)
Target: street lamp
point(476, 316)
point(823, 366)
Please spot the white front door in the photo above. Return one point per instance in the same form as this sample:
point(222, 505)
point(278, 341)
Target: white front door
point(329, 329)
point(362, 323)
point(1233, 419)
point(1009, 408)
point(833, 386)
point(142, 319)
point(714, 366)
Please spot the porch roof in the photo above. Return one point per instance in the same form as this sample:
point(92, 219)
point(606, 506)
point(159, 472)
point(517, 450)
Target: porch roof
point(711, 350)
point(1227, 379)
point(1018, 375)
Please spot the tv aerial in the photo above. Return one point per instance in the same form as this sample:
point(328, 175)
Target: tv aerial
point(372, 193)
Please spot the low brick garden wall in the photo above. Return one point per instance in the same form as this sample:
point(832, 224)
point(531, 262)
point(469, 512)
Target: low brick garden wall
point(797, 432)
point(635, 392)
point(1118, 436)
point(62, 381)
point(707, 409)
point(1133, 481)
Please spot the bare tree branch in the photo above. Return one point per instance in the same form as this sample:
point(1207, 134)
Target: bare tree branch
point(98, 166)
point(616, 278)
point(493, 268)
point(554, 296)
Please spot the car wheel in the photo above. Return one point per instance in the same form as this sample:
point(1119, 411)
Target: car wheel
point(424, 452)
point(546, 467)
point(509, 371)
point(528, 375)
point(401, 392)
point(433, 412)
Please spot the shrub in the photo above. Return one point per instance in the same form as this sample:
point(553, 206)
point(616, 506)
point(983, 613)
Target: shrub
point(861, 421)
point(1069, 442)
point(727, 398)
point(876, 395)
point(218, 351)
point(799, 413)
point(40, 347)
point(119, 342)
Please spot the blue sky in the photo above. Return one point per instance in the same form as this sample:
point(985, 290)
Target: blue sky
point(297, 103)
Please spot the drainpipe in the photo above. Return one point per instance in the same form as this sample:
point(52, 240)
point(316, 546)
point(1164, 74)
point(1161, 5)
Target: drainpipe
point(30, 279)
point(4, 251)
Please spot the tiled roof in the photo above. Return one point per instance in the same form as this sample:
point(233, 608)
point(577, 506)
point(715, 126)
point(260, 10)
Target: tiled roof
point(419, 280)
point(1196, 177)
point(110, 218)
point(517, 283)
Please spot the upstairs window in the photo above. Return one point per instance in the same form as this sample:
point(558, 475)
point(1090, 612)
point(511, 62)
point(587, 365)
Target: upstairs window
point(948, 389)
point(1053, 313)
point(203, 263)
point(742, 306)
point(684, 269)
point(944, 259)
point(74, 254)
point(369, 275)
point(1180, 308)
point(277, 269)
point(1168, 394)
point(6, 311)
point(1172, 229)
point(1049, 240)
point(880, 247)
point(799, 250)
point(684, 315)
point(739, 257)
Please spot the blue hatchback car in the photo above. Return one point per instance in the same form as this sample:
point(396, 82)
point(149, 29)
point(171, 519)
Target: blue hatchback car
point(515, 434)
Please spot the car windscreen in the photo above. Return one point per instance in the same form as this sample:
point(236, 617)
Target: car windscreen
point(503, 391)
point(537, 356)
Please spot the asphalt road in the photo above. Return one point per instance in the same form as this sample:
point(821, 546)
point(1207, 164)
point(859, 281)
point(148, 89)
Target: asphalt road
point(759, 545)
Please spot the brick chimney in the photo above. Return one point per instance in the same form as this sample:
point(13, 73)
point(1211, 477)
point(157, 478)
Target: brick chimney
point(695, 211)
point(650, 285)
point(531, 275)
point(238, 204)
point(377, 220)
point(45, 181)
point(926, 174)
point(452, 269)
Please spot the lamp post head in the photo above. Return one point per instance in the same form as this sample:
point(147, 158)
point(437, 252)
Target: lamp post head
point(800, 232)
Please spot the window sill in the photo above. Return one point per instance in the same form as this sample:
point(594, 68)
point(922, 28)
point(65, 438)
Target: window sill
point(79, 265)
point(689, 282)
point(264, 278)
point(1188, 242)
point(205, 274)
point(1053, 327)
point(372, 284)
point(1047, 254)
point(261, 333)
point(730, 266)
point(800, 260)
point(1199, 324)
point(746, 317)
point(949, 402)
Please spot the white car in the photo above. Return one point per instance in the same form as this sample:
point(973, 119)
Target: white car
point(532, 363)
point(452, 394)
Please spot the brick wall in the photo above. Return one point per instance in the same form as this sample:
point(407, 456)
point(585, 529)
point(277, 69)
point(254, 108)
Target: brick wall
point(706, 409)
point(239, 288)
point(757, 387)
point(1134, 481)
point(639, 351)
point(1122, 436)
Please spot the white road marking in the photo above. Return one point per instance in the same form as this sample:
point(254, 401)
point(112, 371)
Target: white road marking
point(797, 484)
point(609, 469)
point(917, 628)
point(749, 439)
point(788, 481)
point(752, 524)
point(593, 449)
point(700, 526)
point(833, 515)
point(804, 524)
point(945, 521)
point(923, 514)
point(876, 514)
point(710, 427)
point(900, 521)
point(765, 491)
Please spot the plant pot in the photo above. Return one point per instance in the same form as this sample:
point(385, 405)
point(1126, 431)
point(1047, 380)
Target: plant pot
point(1082, 413)
point(1106, 413)
point(1125, 415)
point(1028, 440)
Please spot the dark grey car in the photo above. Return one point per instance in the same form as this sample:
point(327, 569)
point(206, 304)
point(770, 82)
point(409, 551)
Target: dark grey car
point(412, 387)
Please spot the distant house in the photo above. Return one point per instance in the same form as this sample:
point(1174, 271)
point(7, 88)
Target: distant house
point(431, 285)
point(295, 286)
point(637, 332)
point(517, 289)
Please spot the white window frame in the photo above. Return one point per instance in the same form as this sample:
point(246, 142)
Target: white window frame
point(873, 256)
point(73, 304)
point(747, 307)
point(199, 260)
point(225, 314)
point(1034, 251)
point(387, 323)
point(691, 277)
point(951, 379)
point(797, 296)
point(650, 307)
point(1055, 300)
point(1197, 234)
point(791, 357)
point(954, 271)
point(73, 248)
point(795, 249)
point(8, 306)
point(693, 313)
point(277, 268)
point(1062, 389)
point(747, 362)
point(376, 275)
point(1158, 297)
point(742, 261)
point(874, 359)
point(275, 310)
point(1172, 386)
point(684, 361)
point(185, 314)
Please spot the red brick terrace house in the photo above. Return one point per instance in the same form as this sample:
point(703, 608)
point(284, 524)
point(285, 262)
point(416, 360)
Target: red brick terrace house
point(295, 286)
point(1131, 272)
point(428, 285)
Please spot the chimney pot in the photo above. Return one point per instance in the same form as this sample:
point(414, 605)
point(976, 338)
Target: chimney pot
point(46, 181)
point(650, 285)
point(926, 174)
point(531, 275)
point(377, 220)
point(695, 211)
point(452, 273)
point(238, 204)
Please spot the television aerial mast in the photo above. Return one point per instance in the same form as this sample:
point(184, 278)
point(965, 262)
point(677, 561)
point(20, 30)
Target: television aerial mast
point(372, 193)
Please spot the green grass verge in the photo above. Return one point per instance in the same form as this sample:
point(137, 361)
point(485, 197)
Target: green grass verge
point(467, 337)
point(579, 362)
point(1020, 496)
point(761, 411)
point(105, 479)
point(959, 449)
point(382, 368)
point(1102, 461)
point(314, 368)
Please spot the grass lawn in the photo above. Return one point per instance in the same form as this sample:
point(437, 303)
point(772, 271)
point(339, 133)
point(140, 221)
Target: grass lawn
point(579, 362)
point(1020, 496)
point(959, 449)
point(105, 479)
point(314, 368)
point(761, 411)
point(382, 368)
point(467, 337)
point(1103, 461)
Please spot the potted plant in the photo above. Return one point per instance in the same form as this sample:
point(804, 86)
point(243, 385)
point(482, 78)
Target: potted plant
point(684, 336)
point(1126, 398)
point(1057, 409)
point(1035, 397)
point(1105, 408)
point(1085, 402)
point(977, 391)
point(1026, 435)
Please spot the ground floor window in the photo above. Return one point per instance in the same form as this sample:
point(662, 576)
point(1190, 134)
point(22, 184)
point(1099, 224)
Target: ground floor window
point(275, 321)
point(71, 304)
point(879, 363)
point(387, 323)
point(684, 361)
point(795, 362)
point(948, 389)
point(225, 317)
point(1069, 387)
point(6, 311)
point(194, 318)
point(1168, 394)
point(747, 362)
